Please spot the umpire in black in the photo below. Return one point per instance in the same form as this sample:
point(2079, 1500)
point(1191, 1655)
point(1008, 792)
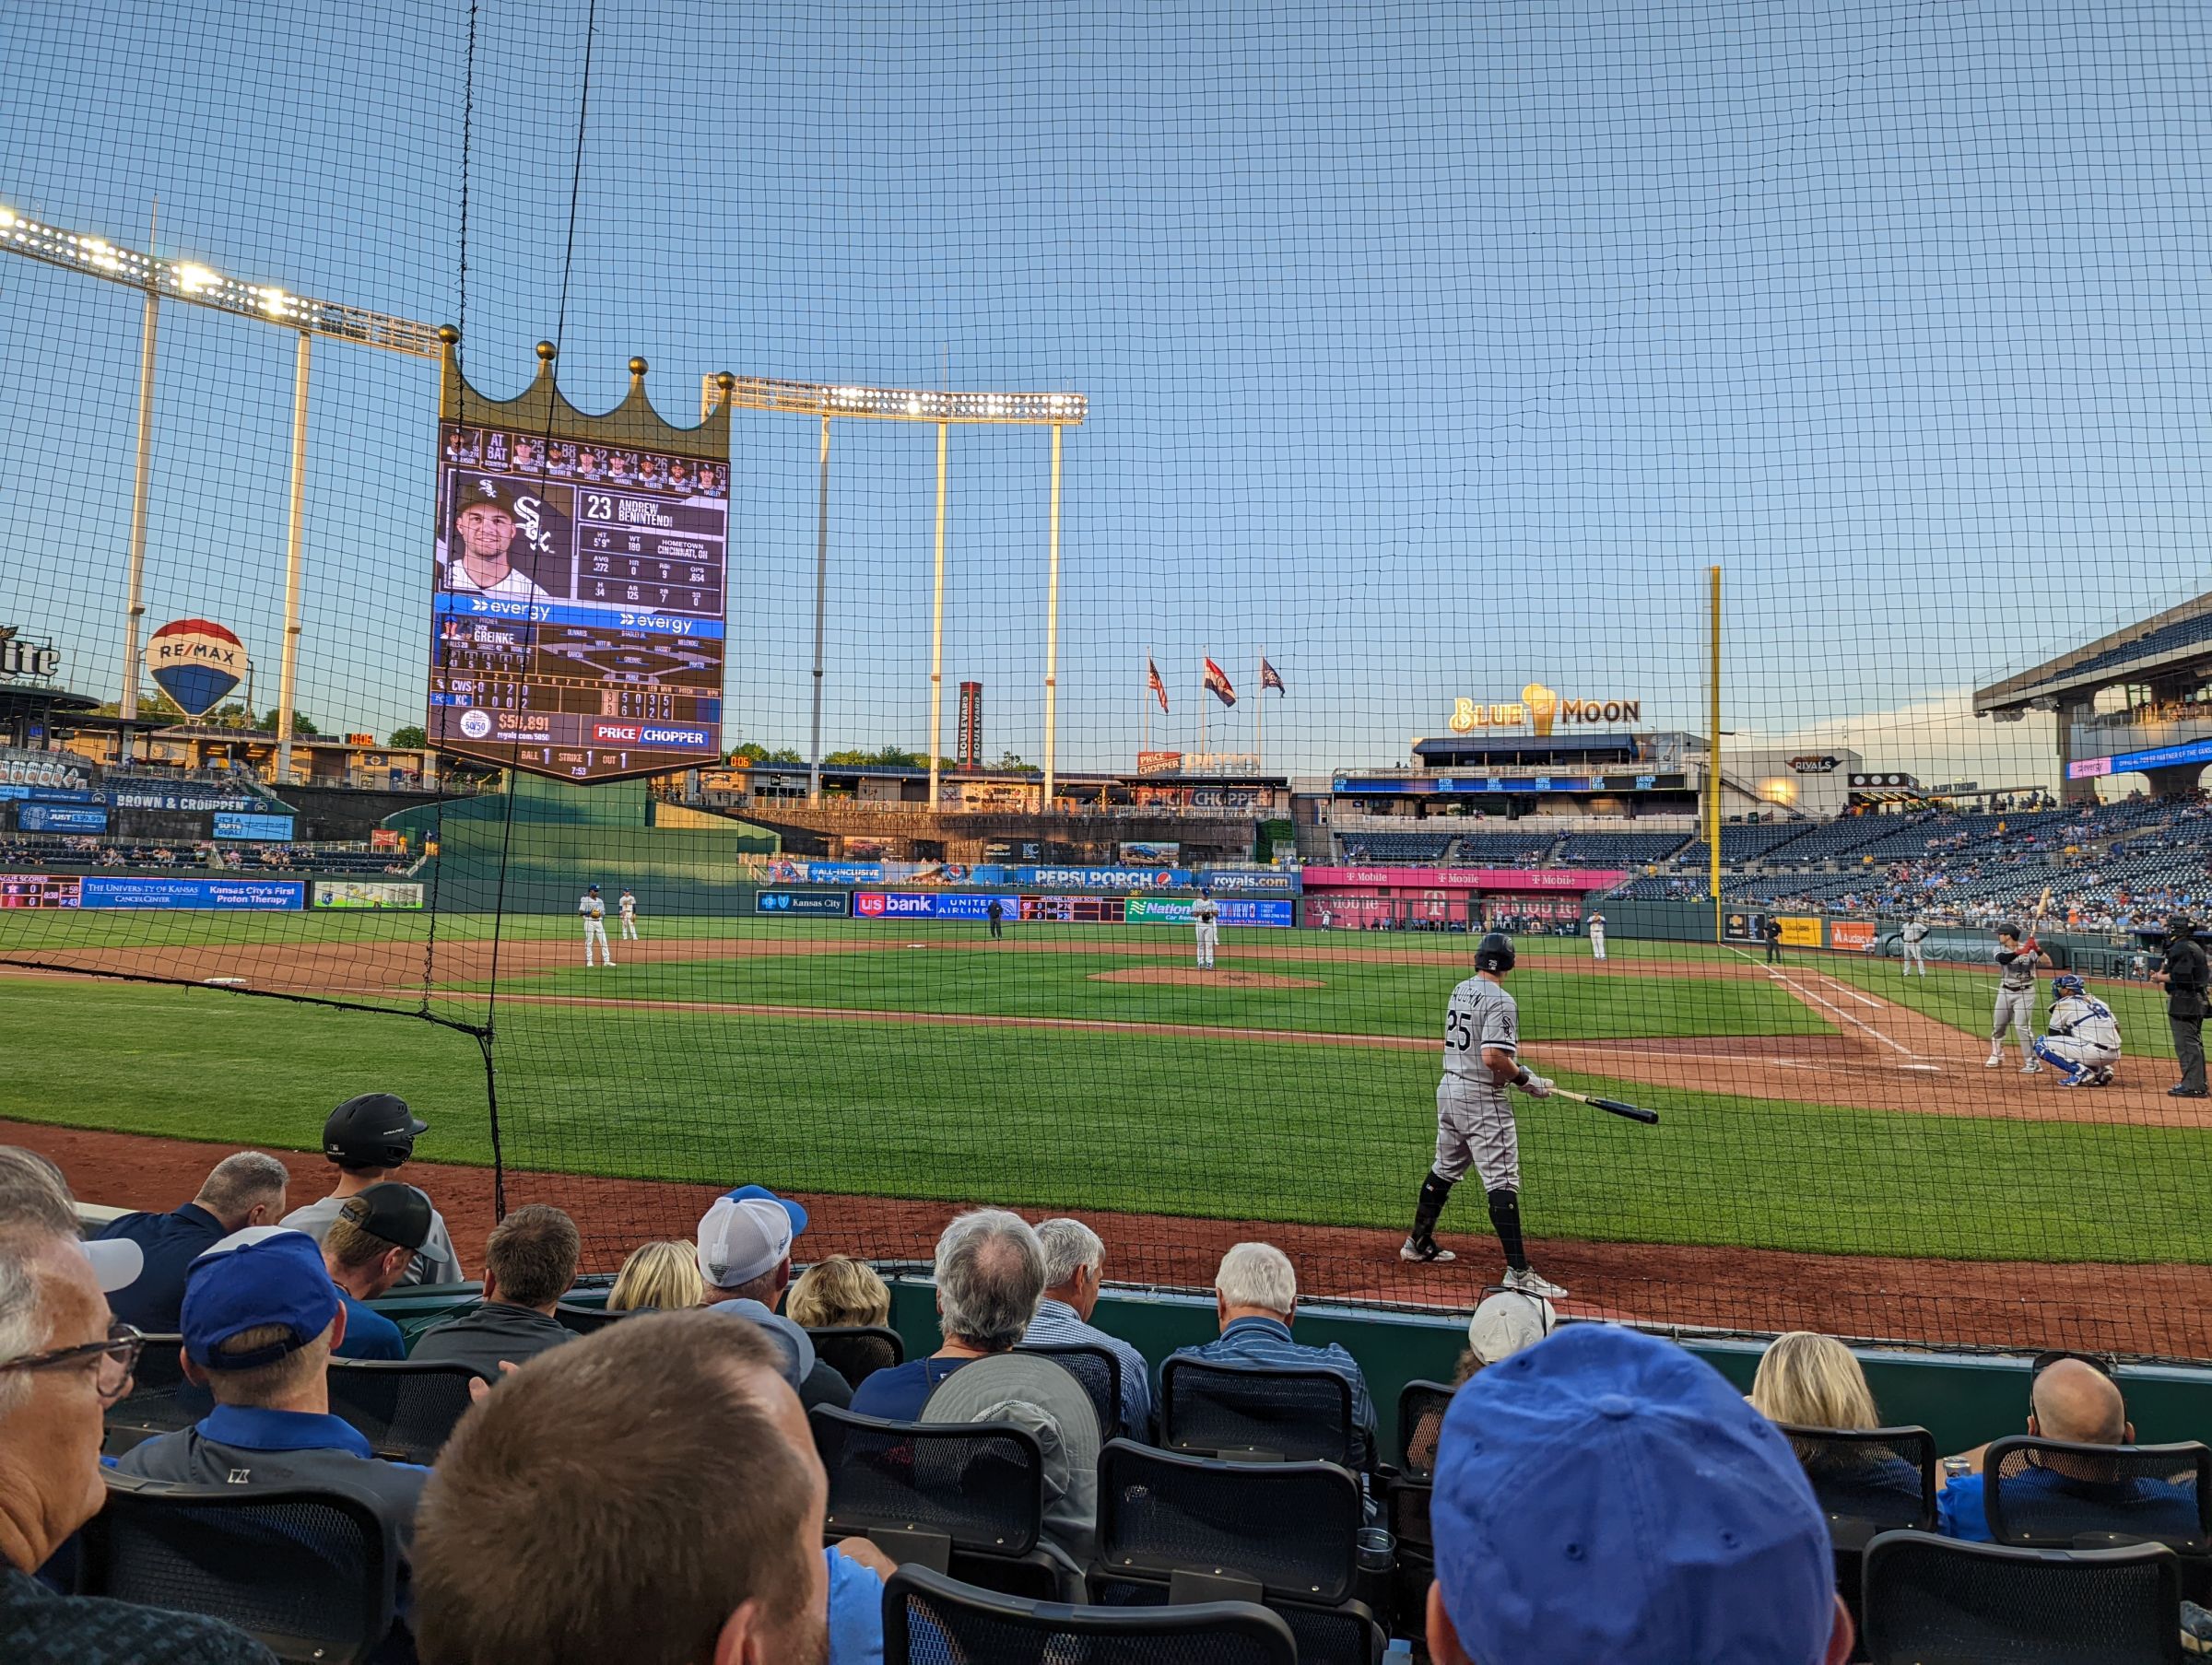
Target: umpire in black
point(2185, 978)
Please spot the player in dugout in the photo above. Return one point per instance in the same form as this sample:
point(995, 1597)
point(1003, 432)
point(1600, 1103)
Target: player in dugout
point(484, 523)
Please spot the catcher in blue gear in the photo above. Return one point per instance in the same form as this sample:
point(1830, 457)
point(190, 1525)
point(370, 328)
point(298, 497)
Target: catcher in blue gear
point(2082, 1040)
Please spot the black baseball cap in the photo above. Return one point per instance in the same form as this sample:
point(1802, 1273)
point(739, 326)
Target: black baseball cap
point(373, 1129)
point(398, 1214)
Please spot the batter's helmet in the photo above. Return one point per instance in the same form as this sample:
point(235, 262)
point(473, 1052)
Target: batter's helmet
point(2010, 929)
point(371, 1129)
point(1494, 953)
point(2067, 983)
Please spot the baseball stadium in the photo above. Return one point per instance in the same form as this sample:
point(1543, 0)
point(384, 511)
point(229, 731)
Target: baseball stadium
point(1528, 729)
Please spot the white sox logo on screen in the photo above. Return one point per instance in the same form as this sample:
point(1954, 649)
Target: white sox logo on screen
point(529, 514)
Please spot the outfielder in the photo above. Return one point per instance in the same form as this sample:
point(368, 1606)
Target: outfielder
point(1597, 936)
point(594, 925)
point(626, 906)
point(1205, 914)
point(1475, 1119)
point(2016, 997)
point(2083, 1039)
point(1915, 939)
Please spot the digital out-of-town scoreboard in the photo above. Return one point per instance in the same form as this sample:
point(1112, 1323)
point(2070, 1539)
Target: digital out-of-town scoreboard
point(577, 628)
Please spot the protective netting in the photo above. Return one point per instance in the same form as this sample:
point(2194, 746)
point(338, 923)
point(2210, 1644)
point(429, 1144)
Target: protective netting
point(1108, 466)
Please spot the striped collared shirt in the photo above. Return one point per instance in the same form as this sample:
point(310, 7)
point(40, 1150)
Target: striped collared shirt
point(1266, 1341)
point(1057, 1325)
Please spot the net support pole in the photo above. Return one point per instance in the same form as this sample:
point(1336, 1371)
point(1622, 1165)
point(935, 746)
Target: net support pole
point(936, 626)
point(1052, 633)
point(1712, 772)
point(295, 544)
point(821, 607)
point(134, 606)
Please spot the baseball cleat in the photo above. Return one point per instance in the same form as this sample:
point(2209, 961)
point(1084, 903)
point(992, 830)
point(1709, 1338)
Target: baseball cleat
point(1993, 1060)
point(1527, 1280)
point(2031, 1068)
point(2079, 1081)
point(1430, 1253)
point(2103, 1077)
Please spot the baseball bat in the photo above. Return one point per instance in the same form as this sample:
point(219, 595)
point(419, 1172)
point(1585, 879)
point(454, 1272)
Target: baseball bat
point(1633, 1112)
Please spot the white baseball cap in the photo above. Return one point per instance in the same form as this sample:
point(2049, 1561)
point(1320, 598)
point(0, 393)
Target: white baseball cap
point(740, 1238)
point(1506, 1321)
point(116, 1262)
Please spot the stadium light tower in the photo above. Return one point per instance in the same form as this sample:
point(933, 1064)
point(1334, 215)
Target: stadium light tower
point(189, 281)
point(1055, 411)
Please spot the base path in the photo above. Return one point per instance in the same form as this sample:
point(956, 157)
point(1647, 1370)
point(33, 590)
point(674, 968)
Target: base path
point(2164, 1310)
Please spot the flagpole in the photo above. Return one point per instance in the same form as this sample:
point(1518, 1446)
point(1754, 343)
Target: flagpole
point(1203, 692)
point(1259, 705)
point(1145, 745)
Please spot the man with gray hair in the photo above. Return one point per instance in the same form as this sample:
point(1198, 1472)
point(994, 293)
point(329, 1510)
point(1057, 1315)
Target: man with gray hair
point(241, 1191)
point(1074, 1266)
point(1255, 1297)
point(990, 1275)
point(63, 1362)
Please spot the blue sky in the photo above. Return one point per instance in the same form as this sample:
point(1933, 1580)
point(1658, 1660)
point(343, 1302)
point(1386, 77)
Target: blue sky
point(1433, 349)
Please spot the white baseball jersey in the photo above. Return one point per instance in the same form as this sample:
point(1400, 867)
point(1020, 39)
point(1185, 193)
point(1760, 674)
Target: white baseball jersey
point(592, 908)
point(1205, 913)
point(2086, 1019)
point(629, 905)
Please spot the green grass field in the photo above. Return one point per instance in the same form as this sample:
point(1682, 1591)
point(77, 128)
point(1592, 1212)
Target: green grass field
point(1278, 1128)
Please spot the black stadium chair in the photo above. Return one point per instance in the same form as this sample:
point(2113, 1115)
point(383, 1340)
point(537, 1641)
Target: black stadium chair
point(583, 1320)
point(160, 1400)
point(404, 1410)
point(966, 1497)
point(857, 1351)
point(311, 1572)
point(1284, 1533)
point(929, 1619)
point(1931, 1601)
point(1868, 1480)
point(1421, 1407)
point(1100, 1371)
point(2046, 1494)
point(1302, 1416)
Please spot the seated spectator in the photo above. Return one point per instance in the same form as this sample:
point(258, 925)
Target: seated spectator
point(2073, 1399)
point(367, 1248)
point(1813, 1382)
point(63, 1360)
point(839, 1293)
point(240, 1190)
point(529, 1261)
point(1608, 1496)
point(744, 1262)
point(371, 1137)
point(662, 1276)
point(261, 1317)
point(1074, 1270)
point(1255, 1297)
point(990, 1275)
point(629, 1547)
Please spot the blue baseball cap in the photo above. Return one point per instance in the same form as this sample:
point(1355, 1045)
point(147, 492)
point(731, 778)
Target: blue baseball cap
point(264, 1276)
point(745, 1193)
point(1605, 1495)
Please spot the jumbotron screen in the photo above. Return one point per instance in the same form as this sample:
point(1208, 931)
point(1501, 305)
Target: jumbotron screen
point(578, 626)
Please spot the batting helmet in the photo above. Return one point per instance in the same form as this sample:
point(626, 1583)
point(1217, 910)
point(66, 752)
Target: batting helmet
point(371, 1129)
point(2067, 983)
point(1495, 953)
point(2010, 929)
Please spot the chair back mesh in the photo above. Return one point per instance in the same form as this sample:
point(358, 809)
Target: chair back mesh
point(404, 1410)
point(1289, 1526)
point(1421, 1407)
point(1306, 1415)
point(1097, 1368)
point(1880, 1479)
point(980, 1483)
point(585, 1319)
point(2046, 1493)
point(1341, 1634)
point(856, 1352)
point(1931, 1598)
point(929, 1619)
point(311, 1572)
point(161, 1399)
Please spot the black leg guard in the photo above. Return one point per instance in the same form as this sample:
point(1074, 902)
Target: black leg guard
point(1505, 1220)
point(1435, 1188)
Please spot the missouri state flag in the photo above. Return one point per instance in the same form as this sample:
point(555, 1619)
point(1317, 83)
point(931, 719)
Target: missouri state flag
point(1216, 681)
point(1152, 681)
point(1270, 677)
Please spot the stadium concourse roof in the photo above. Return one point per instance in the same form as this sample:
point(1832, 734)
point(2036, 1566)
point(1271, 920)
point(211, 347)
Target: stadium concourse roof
point(2165, 641)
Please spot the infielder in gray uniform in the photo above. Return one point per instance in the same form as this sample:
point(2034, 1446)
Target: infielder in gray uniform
point(2016, 997)
point(1914, 937)
point(1475, 1119)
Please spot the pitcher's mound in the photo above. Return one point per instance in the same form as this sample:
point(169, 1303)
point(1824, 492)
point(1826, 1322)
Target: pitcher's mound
point(1191, 974)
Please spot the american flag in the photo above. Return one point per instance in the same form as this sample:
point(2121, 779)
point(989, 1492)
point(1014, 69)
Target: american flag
point(1270, 677)
point(1159, 688)
point(1216, 680)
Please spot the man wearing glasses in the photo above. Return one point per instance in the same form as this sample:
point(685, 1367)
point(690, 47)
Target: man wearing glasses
point(63, 1362)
